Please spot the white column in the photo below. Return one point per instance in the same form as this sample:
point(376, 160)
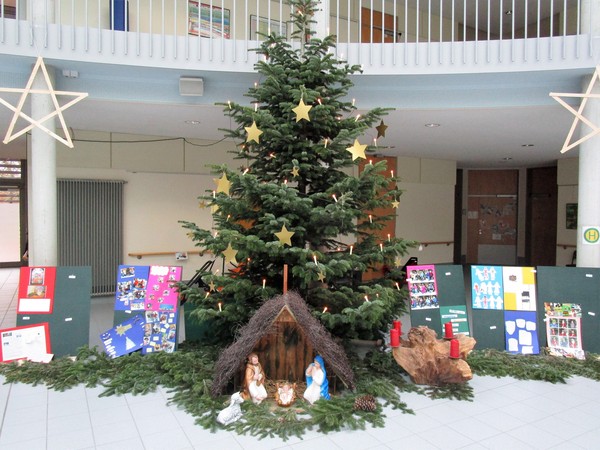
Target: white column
point(41, 156)
point(321, 18)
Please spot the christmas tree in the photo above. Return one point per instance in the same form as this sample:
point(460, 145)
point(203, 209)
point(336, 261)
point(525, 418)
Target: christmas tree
point(297, 201)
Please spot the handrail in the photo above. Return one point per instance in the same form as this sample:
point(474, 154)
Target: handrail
point(140, 255)
point(565, 246)
point(425, 244)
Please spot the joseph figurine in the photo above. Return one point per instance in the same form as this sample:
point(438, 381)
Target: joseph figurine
point(254, 379)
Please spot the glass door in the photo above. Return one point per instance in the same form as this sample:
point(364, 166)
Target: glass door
point(13, 213)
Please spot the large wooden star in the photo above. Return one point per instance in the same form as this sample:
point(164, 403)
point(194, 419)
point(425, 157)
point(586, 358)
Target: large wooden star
point(229, 254)
point(578, 114)
point(302, 111)
point(18, 110)
point(285, 236)
point(223, 184)
point(253, 133)
point(357, 150)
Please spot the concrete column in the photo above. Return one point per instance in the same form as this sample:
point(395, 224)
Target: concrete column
point(322, 19)
point(41, 156)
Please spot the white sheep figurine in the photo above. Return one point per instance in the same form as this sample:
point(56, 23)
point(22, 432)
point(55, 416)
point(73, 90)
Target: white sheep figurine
point(233, 412)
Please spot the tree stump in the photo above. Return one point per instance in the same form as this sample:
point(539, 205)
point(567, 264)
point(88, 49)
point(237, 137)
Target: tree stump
point(427, 359)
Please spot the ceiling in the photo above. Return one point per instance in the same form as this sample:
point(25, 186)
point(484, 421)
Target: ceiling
point(485, 120)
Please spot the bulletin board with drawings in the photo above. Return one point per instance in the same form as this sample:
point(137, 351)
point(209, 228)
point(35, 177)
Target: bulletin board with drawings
point(495, 218)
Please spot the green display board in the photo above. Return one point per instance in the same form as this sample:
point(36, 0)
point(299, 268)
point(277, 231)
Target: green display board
point(427, 317)
point(572, 285)
point(450, 285)
point(488, 329)
point(69, 322)
point(195, 331)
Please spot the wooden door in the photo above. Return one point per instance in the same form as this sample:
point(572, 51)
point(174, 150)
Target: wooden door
point(540, 235)
point(383, 25)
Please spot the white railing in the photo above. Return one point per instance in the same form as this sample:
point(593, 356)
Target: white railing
point(370, 32)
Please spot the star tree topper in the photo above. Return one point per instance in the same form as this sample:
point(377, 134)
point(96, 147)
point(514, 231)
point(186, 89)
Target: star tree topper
point(18, 110)
point(578, 114)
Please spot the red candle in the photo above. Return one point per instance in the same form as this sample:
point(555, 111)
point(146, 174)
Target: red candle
point(394, 338)
point(398, 326)
point(454, 349)
point(448, 333)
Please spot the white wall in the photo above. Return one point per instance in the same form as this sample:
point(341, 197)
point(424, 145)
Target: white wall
point(9, 224)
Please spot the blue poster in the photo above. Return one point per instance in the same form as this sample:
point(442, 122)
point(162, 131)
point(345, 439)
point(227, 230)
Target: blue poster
point(160, 332)
point(131, 288)
point(520, 328)
point(487, 291)
point(124, 338)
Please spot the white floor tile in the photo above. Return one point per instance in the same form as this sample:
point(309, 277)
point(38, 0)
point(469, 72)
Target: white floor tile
point(72, 440)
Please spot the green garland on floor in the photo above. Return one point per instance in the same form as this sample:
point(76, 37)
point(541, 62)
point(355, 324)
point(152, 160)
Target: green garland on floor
point(188, 375)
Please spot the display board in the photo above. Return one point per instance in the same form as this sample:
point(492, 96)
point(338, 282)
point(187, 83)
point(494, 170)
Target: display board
point(30, 342)
point(450, 284)
point(69, 321)
point(572, 285)
point(488, 329)
point(36, 290)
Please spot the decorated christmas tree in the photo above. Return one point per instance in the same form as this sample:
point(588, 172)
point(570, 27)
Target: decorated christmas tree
point(299, 200)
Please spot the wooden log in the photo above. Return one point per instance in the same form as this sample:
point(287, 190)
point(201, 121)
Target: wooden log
point(427, 359)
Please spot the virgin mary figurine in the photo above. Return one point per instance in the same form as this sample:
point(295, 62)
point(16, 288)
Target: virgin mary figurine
point(317, 385)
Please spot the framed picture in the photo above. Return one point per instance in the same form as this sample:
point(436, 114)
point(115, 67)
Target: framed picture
point(571, 216)
point(265, 26)
point(208, 22)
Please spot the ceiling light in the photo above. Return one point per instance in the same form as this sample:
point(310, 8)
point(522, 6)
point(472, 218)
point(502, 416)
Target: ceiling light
point(507, 159)
point(527, 145)
point(432, 125)
point(192, 122)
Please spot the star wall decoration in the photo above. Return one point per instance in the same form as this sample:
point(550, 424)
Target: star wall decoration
point(302, 111)
point(253, 133)
point(57, 112)
point(579, 117)
point(285, 236)
point(223, 184)
point(229, 254)
point(357, 150)
point(381, 129)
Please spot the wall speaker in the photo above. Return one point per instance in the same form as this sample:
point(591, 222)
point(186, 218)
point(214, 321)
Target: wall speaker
point(191, 86)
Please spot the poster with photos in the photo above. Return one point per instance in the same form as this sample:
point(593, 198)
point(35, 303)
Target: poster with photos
point(520, 329)
point(422, 287)
point(563, 329)
point(487, 291)
point(36, 290)
point(519, 288)
point(27, 342)
point(160, 332)
point(132, 282)
point(162, 294)
point(125, 338)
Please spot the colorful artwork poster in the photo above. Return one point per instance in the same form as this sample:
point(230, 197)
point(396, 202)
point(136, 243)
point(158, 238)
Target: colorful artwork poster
point(422, 287)
point(132, 282)
point(27, 342)
point(520, 329)
point(208, 21)
point(519, 288)
point(125, 338)
point(486, 287)
point(160, 332)
point(162, 292)
point(36, 290)
point(458, 316)
point(563, 329)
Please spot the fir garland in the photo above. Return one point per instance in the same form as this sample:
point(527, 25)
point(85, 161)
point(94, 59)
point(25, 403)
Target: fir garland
point(188, 373)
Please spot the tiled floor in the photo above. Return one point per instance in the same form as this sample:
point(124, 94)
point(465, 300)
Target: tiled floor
point(505, 414)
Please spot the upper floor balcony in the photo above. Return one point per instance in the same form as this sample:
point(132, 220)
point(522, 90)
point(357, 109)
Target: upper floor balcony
point(384, 36)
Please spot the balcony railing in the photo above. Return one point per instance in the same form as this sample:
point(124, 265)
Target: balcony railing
point(370, 32)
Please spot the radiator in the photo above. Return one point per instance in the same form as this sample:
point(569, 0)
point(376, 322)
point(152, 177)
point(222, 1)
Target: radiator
point(90, 229)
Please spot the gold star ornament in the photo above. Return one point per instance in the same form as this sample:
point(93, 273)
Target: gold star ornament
point(395, 204)
point(229, 254)
point(39, 122)
point(321, 277)
point(295, 171)
point(579, 117)
point(253, 133)
point(302, 111)
point(223, 184)
point(285, 236)
point(357, 150)
point(381, 130)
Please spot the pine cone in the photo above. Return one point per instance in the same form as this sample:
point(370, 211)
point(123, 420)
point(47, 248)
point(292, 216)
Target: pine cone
point(365, 403)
